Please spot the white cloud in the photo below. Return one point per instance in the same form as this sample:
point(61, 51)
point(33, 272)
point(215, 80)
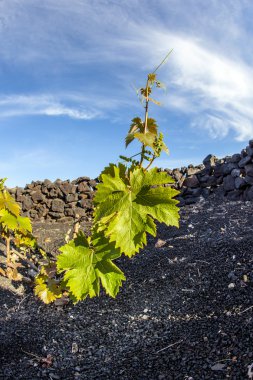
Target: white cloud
point(215, 89)
point(21, 105)
point(216, 126)
point(209, 69)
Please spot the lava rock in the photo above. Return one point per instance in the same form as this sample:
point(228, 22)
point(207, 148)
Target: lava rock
point(209, 160)
point(240, 183)
point(57, 205)
point(244, 161)
point(229, 183)
point(249, 169)
point(191, 181)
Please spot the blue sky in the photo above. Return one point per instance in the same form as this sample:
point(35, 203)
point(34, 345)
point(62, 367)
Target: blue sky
point(67, 71)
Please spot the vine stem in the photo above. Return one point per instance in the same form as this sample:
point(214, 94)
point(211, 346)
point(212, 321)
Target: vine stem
point(137, 154)
point(151, 162)
point(8, 250)
point(145, 122)
point(25, 259)
point(163, 61)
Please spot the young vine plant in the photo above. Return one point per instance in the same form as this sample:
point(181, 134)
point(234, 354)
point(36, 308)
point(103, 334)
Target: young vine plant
point(130, 198)
point(15, 232)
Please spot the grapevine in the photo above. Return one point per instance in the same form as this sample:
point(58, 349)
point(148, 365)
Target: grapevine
point(130, 198)
point(15, 232)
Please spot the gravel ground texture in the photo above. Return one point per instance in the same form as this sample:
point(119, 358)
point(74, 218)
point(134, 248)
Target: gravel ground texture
point(185, 311)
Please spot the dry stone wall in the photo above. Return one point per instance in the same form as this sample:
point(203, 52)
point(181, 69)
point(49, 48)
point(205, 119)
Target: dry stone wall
point(231, 177)
point(62, 201)
point(66, 201)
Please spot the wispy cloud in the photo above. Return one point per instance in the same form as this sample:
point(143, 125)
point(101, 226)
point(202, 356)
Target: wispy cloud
point(215, 90)
point(21, 105)
point(210, 70)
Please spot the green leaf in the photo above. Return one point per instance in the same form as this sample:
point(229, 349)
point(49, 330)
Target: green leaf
point(103, 248)
point(26, 240)
point(147, 139)
point(85, 267)
point(137, 126)
point(77, 263)
point(111, 169)
point(110, 275)
point(130, 208)
point(109, 177)
point(7, 202)
point(8, 220)
point(152, 126)
point(2, 180)
point(24, 224)
point(152, 201)
point(15, 223)
point(151, 226)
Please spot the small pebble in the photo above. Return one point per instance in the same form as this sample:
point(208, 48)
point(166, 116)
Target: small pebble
point(74, 348)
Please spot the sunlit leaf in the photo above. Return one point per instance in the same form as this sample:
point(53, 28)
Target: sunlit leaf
point(128, 209)
point(85, 267)
point(7, 202)
point(8, 220)
point(46, 289)
point(24, 224)
point(110, 275)
point(147, 139)
point(138, 126)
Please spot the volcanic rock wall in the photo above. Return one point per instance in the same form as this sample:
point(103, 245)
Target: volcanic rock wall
point(65, 201)
point(231, 176)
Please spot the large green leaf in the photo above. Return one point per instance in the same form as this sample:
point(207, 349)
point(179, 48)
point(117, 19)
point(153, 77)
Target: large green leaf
point(77, 263)
point(103, 248)
point(86, 266)
point(130, 207)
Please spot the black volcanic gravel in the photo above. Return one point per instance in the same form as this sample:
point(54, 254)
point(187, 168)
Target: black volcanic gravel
point(185, 311)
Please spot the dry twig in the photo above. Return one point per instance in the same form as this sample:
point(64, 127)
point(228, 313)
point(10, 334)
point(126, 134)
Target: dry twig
point(171, 345)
